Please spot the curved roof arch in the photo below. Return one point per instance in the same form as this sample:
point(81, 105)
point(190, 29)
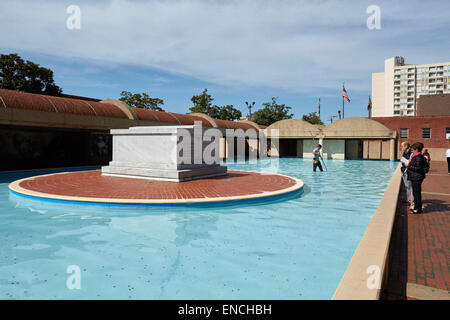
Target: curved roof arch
point(253, 124)
point(358, 127)
point(293, 128)
point(227, 124)
point(40, 102)
point(206, 117)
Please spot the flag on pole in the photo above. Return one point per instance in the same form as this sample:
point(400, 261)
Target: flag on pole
point(344, 94)
point(319, 108)
point(370, 104)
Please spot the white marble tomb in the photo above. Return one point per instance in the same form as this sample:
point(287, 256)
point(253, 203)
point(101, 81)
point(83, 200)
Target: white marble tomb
point(156, 153)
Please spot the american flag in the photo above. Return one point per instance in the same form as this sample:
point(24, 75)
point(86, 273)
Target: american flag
point(319, 107)
point(344, 94)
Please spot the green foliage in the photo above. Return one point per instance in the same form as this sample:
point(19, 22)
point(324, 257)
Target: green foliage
point(272, 112)
point(203, 104)
point(143, 101)
point(312, 118)
point(229, 112)
point(17, 74)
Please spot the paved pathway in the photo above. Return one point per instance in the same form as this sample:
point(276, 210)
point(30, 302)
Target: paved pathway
point(419, 252)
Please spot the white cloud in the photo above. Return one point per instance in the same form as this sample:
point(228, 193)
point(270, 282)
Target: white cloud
point(298, 46)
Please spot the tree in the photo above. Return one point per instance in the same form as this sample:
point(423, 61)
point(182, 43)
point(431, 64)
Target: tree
point(272, 112)
point(312, 118)
point(17, 74)
point(143, 101)
point(203, 104)
point(229, 112)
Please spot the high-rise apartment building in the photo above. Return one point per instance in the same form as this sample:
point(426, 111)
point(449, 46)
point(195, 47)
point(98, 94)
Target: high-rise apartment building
point(396, 90)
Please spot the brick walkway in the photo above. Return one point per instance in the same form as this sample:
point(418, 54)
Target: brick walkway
point(419, 252)
point(91, 184)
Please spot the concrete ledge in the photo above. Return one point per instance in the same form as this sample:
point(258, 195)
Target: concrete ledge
point(420, 292)
point(372, 250)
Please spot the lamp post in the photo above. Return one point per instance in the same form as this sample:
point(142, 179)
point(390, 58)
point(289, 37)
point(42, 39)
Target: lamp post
point(250, 105)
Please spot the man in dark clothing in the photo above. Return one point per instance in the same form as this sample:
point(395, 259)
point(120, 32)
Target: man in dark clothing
point(416, 170)
point(316, 159)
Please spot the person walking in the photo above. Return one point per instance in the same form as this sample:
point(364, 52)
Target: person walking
point(416, 171)
point(406, 148)
point(316, 159)
point(427, 155)
point(447, 153)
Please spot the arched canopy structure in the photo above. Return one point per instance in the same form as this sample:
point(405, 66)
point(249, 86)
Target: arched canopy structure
point(22, 108)
point(358, 128)
point(293, 128)
point(346, 128)
point(350, 138)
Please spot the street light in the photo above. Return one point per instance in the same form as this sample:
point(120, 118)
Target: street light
point(250, 108)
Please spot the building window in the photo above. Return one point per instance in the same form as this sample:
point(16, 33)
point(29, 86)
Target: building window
point(447, 133)
point(426, 133)
point(403, 133)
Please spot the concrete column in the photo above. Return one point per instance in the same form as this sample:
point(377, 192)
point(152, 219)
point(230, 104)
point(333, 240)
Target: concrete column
point(321, 151)
point(392, 150)
point(299, 148)
point(252, 148)
point(240, 148)
point(274, 148)
point(262, 148)
point(229, 148)
point(222, 148)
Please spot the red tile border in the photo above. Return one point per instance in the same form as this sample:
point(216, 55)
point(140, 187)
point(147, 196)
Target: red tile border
point(93, 186)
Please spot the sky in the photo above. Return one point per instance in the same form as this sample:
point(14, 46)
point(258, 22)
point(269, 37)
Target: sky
point(248, 50)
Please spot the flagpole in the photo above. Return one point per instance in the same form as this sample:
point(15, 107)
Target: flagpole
point(319, 108)
point(343, 101)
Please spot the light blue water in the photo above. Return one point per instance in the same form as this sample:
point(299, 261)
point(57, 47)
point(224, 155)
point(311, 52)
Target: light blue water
point(293, 249)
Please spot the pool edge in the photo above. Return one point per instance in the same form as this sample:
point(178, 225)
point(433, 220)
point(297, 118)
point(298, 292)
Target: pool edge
point(370, 259)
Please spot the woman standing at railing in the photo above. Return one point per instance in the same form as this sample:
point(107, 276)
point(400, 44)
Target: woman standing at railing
point(416, 170)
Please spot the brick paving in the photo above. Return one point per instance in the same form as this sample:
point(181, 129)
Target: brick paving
point(419, 250)
point(91, 184)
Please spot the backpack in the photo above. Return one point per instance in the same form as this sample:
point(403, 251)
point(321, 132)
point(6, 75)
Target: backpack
point(426, 165)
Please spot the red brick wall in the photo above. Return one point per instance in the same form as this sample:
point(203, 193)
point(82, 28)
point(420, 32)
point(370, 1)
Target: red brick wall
point(415, 124)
